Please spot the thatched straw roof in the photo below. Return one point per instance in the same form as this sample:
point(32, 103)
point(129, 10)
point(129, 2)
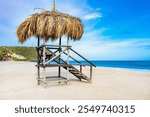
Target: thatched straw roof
point(50, 25)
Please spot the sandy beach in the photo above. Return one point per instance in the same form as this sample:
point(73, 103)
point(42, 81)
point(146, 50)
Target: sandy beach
point(18, 81)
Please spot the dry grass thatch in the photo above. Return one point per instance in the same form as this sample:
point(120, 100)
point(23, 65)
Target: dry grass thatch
point(50, 25)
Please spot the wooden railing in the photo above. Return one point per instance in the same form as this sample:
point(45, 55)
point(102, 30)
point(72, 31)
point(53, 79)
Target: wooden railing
point(90, 63)
point(61, 51)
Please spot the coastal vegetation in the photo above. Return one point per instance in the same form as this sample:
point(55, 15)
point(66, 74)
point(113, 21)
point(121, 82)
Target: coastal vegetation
point(16, 53)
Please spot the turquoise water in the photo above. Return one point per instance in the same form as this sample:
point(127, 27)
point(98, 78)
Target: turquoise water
point(141, 65)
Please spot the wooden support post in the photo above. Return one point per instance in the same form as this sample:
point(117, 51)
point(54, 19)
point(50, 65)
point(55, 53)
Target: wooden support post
point(68, 54)
point(90, 73)
point(80, 68)
point(59, 68)
point(44, 70)
point(38, 62)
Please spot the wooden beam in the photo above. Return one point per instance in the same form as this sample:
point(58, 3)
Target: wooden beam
point(68, 54)
point(56, 51)
point(53, 52)
point(56, 46)
point(90, 73)
point(38, 61)
point(56, 56)
point(59, 68)
point(83, 57)
point(74, 59)
point(44, 70)
point(80, 68)
point(54, 65)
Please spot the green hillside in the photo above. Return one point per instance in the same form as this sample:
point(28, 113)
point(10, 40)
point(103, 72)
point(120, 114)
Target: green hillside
point(28, 52)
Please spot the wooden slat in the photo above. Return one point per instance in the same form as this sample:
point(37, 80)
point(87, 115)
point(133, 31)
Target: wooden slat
point(56, 46)
point(59, 69)
point(38, 61)
point(90, 73)
point(56, 56)
point(74, 59)
point(54, 65)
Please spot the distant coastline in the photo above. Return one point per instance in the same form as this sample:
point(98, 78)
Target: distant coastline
point(29, 54)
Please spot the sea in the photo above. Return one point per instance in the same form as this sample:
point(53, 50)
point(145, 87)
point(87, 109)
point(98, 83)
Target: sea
point(133, 65)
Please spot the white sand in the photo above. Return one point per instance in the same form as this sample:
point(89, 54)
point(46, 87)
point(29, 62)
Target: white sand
point(18, 81)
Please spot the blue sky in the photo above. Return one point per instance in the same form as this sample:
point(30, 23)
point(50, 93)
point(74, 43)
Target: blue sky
point(114, 29)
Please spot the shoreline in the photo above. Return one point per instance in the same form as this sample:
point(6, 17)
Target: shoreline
point(128, 69)
point(105, 67)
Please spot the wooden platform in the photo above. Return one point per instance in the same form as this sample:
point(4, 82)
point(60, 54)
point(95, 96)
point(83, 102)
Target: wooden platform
point(53, 65)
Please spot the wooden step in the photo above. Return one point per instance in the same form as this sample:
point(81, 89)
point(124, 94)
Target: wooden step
point(73, 72)
point(78, 74)
point(85, 78)
point(72, 69)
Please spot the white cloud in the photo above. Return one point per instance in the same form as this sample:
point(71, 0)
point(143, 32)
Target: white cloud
point(94, 15)
point(109, 50)
point(96, 46)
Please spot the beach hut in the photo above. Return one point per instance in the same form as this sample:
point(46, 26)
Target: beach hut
point(52, 25)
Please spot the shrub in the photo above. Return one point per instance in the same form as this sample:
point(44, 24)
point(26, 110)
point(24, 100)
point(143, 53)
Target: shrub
point(5, 54)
